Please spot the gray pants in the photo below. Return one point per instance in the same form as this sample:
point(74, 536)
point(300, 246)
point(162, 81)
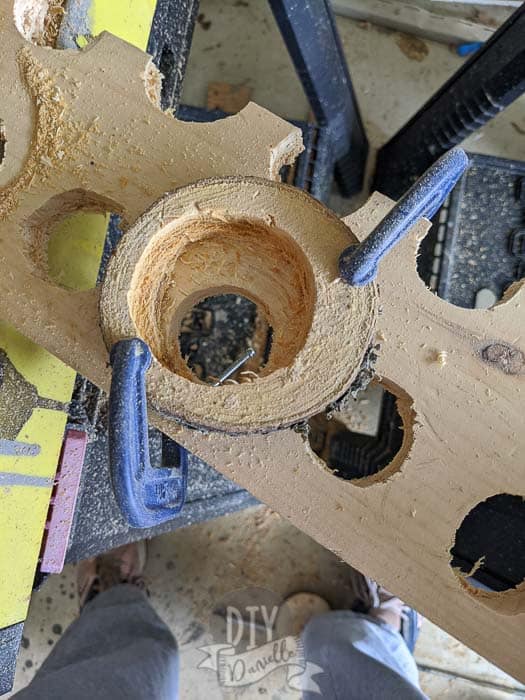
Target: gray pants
point(120, 648)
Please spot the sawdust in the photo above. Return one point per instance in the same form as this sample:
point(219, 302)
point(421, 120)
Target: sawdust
point(39, 21)
point(52, 23)
point(153, 83)
point(261, 240)
point(54, 136)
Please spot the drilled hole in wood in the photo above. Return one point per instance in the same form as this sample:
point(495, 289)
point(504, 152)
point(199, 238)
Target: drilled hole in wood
point(39, 21)
point(3, 142)
point(65, 238)
point(367, 439)
point(218, 331)
point(209, 257)
point(488, 554)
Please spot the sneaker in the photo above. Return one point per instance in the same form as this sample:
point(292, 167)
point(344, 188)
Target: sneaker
point(121, 565)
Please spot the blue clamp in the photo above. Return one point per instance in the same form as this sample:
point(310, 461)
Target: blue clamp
point(358, 263)
point(146, 495)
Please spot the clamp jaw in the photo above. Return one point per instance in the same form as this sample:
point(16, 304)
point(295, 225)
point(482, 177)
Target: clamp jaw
point(147, 496)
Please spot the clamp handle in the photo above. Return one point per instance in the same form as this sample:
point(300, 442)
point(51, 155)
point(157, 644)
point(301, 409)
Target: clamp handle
point(146, 495)
point(358, 263)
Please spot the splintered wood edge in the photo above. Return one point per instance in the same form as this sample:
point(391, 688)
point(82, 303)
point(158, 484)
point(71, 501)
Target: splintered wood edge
point(197, 242)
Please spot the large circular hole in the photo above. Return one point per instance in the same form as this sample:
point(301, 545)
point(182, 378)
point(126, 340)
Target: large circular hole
point(366, 439)
point(64, 239)
point(218, 331)
point(202, 258)
point(488, 553)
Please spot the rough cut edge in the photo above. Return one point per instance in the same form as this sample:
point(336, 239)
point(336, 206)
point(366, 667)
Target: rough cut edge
point(287, 139)
point(507, 603)
point(112, 308)
point(39, 21)
point(55, 134)
point(286, 153)
point(514, 289)
point(408, 415)
point(153, 84)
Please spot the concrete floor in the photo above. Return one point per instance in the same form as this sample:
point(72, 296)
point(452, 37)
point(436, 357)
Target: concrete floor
point(188, 571)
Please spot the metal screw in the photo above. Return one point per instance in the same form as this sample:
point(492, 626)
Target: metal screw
point(236, 365)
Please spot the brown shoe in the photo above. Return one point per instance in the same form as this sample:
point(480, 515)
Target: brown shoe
point(372, 599)
point(121, 565)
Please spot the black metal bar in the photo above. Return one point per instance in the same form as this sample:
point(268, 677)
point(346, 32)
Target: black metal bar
point(487, 83)
point(169, 44)
point(309, 31)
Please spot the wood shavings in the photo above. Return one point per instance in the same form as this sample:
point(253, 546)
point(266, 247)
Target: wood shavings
point(233, 249)
point(48, 139)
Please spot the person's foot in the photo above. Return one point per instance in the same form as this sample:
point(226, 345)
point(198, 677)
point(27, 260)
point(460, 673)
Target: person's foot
point(297, 610)
point(121, 565)
point(372, 599)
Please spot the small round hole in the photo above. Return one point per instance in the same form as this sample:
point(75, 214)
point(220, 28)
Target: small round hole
point(488, 554)
point(217, 331)
point(367, 439)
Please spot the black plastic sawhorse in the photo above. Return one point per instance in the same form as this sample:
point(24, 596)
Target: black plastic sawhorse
point(487, 83)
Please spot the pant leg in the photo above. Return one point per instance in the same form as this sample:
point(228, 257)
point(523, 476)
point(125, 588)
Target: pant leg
point(118, 648)
point(361, 658)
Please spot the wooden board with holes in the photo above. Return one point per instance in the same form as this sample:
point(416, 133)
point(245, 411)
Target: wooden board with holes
point(458, 374)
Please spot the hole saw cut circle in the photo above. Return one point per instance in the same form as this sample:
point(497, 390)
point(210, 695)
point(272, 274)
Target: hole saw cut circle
point(63, 239)
point(365, 459)
point(488, 553)
point(270, 243)
point(204, 257)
